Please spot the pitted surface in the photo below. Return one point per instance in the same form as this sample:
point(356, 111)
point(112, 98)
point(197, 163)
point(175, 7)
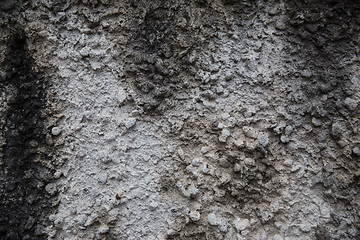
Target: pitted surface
point(201, 119)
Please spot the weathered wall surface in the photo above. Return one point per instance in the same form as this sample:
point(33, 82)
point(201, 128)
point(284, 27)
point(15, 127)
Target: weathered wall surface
point(202, 119)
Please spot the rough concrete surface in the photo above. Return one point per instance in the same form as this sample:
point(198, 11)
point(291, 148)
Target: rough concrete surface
point(179, 119)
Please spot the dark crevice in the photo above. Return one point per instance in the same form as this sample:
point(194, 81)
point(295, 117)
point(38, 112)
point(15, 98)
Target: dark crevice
point(325, 32)
point(23, 174)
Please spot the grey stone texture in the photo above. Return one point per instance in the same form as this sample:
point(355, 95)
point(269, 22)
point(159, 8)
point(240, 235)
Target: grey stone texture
point(199, 119)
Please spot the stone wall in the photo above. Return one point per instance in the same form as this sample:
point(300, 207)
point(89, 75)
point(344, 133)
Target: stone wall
point(201, 119)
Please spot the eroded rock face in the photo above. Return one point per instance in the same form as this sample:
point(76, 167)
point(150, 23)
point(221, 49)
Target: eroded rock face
point(185, 119)
point(26, 157)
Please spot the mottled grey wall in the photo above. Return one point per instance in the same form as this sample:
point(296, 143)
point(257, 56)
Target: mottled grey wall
point(204, 119)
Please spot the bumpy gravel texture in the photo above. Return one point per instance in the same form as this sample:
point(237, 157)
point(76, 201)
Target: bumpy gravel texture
point(203, 119)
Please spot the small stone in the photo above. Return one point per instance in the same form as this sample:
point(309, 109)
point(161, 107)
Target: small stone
point(237, 167)
point(206, 169)
point(204, 150)
point(239, 143)
point(212, 219)
point(251, 145)
point(214, 123)
point(225, 133)
point(52, 233)
point(278, 224)
point(52, 217)
point(181, 154)
point(34, 143)
point(250, 132)
point(250, 111)
point(194, 216)
point(57, 174)
point(55, 131)
point(274, 11)
point(278, 127)
point(224, 163)
point(337, 129)
point(96, 65)
point(284, 139)
point(193, 191)
point(223, 227)
point(90, 220)
point(315, 180)
point(105, 159)
point(277, 237)
point(351, 104)
point(296, 167)
point(342, 143)
point(50, 188)
point(317, 122)
point(49, 140)
point(305, 227)
point(225, 116)
point(311, 27)
point(249, 162)
point(288, 130)
point(136, 112)
point(196, 162)
point(153, 206)
point(280, 25)
point(288, 162)
point(322, 136)
point(231, 122)
point(95, 193)
point(325, 211)
point(85, 51)
point(349, 92)
point(356, 151)
point(325, 88)
point(241, 224)
point(40, 185)
point(263, 139)
point(130, 122)
point(308, 127)
point(306, 73)
point(103, 229)
point(102, 178)
point(265, 215)
point(171, 149)
point(81, 154)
